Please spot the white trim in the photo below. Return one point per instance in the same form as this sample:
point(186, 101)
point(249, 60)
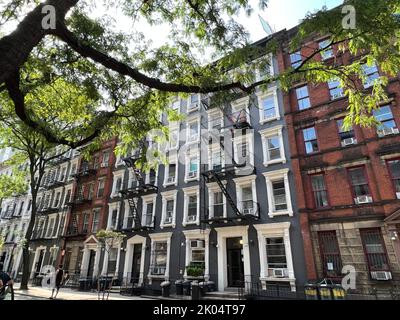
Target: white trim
point(187, 193)
point(202, 235)
point(261, 95)
point(172, 159)
point(269, 231)
point(130, 244)
point(160, 237)
point(212, 189)
point(188, 109)
point(152, 198)
point(86, 254)
point(167, 196)
point(269, 133)
point(111, 207)
point(274, 176)
point(116, 175)
point(231, 232)
point(189, 122)
point(245, 182)
point(191, 154)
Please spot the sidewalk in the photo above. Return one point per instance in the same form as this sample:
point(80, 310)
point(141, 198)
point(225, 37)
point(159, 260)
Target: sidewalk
point(68, 294)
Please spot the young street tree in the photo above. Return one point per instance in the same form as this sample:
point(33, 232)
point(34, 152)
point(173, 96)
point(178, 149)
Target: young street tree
point(87, 52)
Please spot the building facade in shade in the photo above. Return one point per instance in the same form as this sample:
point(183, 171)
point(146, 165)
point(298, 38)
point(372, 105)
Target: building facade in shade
point(222, 209)
point(347, 179)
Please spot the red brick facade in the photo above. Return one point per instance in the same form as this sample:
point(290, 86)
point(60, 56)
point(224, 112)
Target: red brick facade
point(341, 214)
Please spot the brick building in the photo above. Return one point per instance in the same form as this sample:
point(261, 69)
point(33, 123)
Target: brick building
point(347, 181)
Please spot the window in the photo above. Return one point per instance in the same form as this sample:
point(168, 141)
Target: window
point(303, 99)
point(334, 89)
point(112, 260)
point(118, 184)
point(176, 105)
point(193, 131)
point(374, 249)
point(173, 138)
point(57, 199)
point(327, 49)
point(62, 174)
point(215, 121)
point(273, 148)
point(21, 207)
point(216, 159)
point(67, 197)
point(296, 59)
point(279, 193)
point(73, 170)
point(50, 227)
point(218, 206)
point(193, 167)
point(29, 205)
point(193, 102)
point(90, 191)
point(100, 188)
point(387, 124)
point(95, 221)
point(159, 258)
point(151, 177)
point(347, 136)
point(268, 107)
point(330, 254)
point(169, 212)
point(394, 168)
point(359, 182)
point(276, 253)
point(371, 74)
point(247, 204)
point(192, 208)
point(310, 140)
point(197, 252)
point(106, 158)
point(319, 191)
point(85, 228)
point(148, 216)
point(170, 173)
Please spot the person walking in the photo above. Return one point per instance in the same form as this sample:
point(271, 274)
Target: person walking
point(6, 283)
point(59, 281)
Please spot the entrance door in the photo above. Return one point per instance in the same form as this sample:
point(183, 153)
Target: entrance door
point(137, 258)
point(92, 255)
point(235, 262)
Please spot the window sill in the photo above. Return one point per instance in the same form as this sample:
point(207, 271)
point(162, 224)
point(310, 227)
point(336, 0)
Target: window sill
point(269, 163)
point(264, 121)
point(165, 185)
point(190, 223)
point(280, 213)
point(191, 179)
point(286, 279)
point(170, 225)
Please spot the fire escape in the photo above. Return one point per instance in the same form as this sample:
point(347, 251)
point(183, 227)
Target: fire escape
point(133, 193)
point(238, 122)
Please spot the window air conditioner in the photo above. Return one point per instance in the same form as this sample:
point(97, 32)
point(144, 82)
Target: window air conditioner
point(193, 106)
point(280, 273)
point(191, 218)
point(363, 199)
point(192, 174)
point(104, 165)
point(388, 131)
point(248, 211)
point(197, 244)
point(381, 275)
point(168, 220)
point(171, 180)
point(348, 142)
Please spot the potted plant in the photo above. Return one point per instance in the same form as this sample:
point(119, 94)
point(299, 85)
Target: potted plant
point(195, 270)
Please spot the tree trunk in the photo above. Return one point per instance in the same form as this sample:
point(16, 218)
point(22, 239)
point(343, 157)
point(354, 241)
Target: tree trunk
point(17, 46)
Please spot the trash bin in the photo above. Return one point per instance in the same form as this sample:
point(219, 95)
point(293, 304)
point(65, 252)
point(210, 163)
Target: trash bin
point(179, 287)
point(311, 291)
point(165, 288)
point(195, 290)
point(338, 292)
point(325, 291)
point(186, 287)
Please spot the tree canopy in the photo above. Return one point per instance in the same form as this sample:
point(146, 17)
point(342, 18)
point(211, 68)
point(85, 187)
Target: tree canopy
point(126, 82)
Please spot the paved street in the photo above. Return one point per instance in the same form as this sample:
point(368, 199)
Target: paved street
point(38, 293)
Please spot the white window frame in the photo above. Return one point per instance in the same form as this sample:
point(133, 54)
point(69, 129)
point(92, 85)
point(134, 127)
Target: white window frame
point(172, 127)
point(250, 146)
point(242, 104)
point(244, 182)
point(275, 230)
point(191, 154)
point(127, 214)
point(191, 121)
point(63, 167)
point(269, 133)
point(160, 237)
point(173, 159)
point(116, 176)
point(177, 100)
point(111, 208)
point(59, 190)
point(271, 68)
point(212, 189)
point(190, 191)
point(76, 163)
point(215, 148)
point(271, 92)
point(168, 196)
point(48, 233)
point(271, 177)
point(329, 49)
point(190, 110)
point(145, 201)
point(191, 235)
point(215, 115)
point(147, 178)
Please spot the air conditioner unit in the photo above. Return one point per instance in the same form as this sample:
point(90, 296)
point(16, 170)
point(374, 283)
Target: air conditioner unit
point(388, 131)
point(192, 174)
point(248, 211)
point(171, 180)
point(199, 244)
point(363, 199)
point(158, 271)
point(191, 218)
point(349, 141)
point(193, 106)
point(381, 275)
point(279, 273)
point(104, 165)
point(398, 195)
point(336, 96)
